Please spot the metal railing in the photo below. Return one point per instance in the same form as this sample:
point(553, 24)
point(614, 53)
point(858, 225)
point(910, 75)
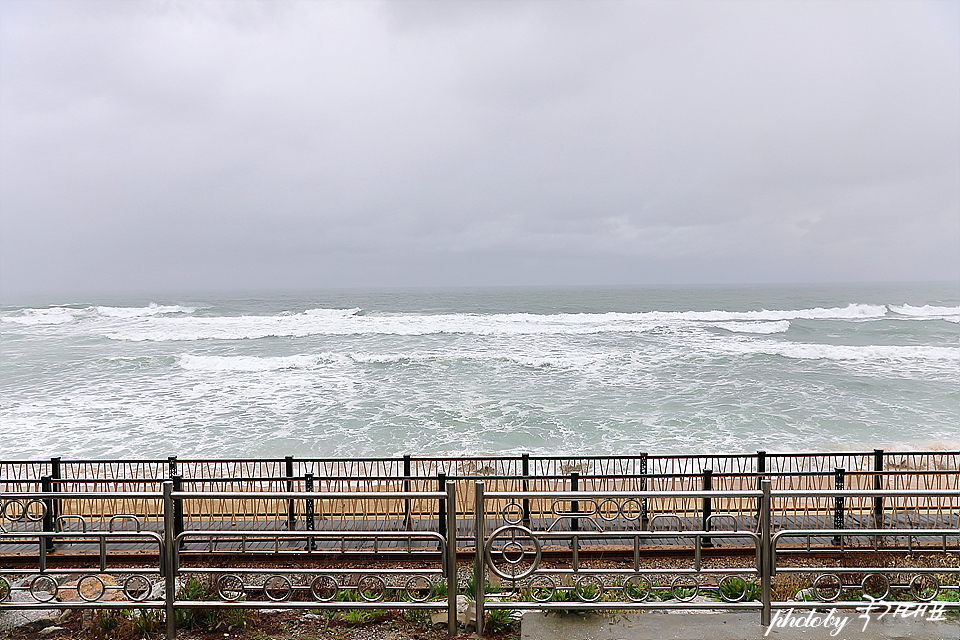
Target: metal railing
point(510, 532)
point(643, 472)
point(512, 551)
point(235, 587)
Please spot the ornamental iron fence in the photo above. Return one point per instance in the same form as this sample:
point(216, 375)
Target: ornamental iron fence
point(511, 533)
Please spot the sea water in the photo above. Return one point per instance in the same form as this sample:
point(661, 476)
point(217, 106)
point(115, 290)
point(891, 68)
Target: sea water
point(552, 371)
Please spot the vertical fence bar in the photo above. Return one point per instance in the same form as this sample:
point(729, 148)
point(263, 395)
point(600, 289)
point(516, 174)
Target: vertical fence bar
point(177, 507)
point(168, 562)
point(309, 511)
point(525, 471)
point(56, 486)
point(406, 489)
point(878, 485)
point(291, 508)
point(761, 469)
point(838, 482)
point(644, 513)
point(575, 504)
point(171, 466)
point(451, 551)
point(707, 504)
point(46, 486)
point(766, 553)
point(442, 506)
point(479, 561)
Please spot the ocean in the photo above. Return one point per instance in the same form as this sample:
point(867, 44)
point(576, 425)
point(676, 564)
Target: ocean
point(463, 372)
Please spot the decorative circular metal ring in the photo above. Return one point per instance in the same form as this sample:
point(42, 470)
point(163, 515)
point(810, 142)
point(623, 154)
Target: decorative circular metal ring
point(512, 552)
point(542, 588)
point(624, 509)
point(4, 589)
point(837, 586)
point(280, 592)
point(917, 587)
point(44, 584)
point(99, 588)
point(675, 584)
point(584, 584)
point(629, 588)
point(43, 510)
point(324, 588)
point(376, 591)
point(886, 585)
point(512, 529)
point(6, 515)
point(137, 588)
point(230, 587)
point(603, 507)
point(418, 592)
point(515, 508)
point(723, 581)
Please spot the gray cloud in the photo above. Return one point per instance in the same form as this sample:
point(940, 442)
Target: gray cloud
point(300, 144)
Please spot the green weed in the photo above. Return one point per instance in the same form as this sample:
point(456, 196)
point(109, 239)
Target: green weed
point(498, 620)
point(127, 624)
point(195, 589)
point(735, 589)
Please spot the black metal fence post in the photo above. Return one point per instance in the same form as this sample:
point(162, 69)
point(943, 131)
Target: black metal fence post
point(761, 469)
point(525, 471)
point(767, 567)
point(46, 486)
point(451, 561)
point(878, 485)
point(168, 563)
point(442, 505)
point(309, 511)
point(56, 486)
point(171, 466)
point(575, 504)
point(178, 507)
point(406, 489)
point(644, 513)
point(707, 505)
point(291, 508)
point(838, 484)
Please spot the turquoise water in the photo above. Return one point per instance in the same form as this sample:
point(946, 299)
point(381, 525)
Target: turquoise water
point(483, 371)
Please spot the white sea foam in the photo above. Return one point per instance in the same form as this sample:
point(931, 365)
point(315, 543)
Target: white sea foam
point(153, 309)
point(812, 351)
point(850, 312)
point(928, 311)
point(778, 326)
point(333, 313)
point(185, 328)
point(52, 315)
point(248, 363)
point(350, 322)
point(65, 315)
point(193, 362)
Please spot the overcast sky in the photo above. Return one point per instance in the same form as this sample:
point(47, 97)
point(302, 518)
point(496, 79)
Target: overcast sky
point(223, 145)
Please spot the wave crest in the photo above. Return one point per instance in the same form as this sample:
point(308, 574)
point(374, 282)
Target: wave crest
point(927, 311)
point(153, 309)
point(248, 363)
point(778, 326)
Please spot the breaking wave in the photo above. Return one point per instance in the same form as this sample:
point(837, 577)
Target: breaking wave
point(355, 322)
